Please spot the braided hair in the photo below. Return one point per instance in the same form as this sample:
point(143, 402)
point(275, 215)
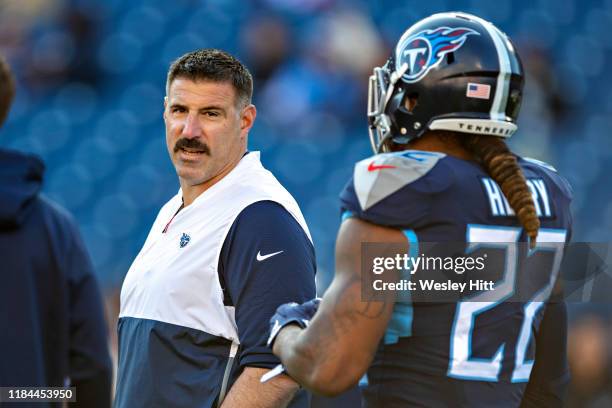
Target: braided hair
point(7, 89)
point(502, 166)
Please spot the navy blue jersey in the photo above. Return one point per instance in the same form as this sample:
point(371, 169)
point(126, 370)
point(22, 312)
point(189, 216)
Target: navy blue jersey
point(468, 352)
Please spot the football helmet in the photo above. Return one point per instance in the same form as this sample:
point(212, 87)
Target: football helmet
point(450, 71)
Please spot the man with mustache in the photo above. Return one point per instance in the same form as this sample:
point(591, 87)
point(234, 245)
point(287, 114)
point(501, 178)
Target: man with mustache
point(222, 254)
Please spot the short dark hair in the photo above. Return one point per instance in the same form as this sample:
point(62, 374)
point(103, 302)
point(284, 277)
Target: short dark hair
point(210, 64)
point(7, 89)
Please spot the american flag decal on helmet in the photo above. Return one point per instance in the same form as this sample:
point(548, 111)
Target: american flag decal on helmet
point(480, 91)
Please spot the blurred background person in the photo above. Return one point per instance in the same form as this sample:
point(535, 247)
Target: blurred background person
point(54, 331)
point(311, 60)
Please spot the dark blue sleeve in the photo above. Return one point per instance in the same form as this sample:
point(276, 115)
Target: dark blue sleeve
point(90, 367)
point(266, 260)
point(550, 376)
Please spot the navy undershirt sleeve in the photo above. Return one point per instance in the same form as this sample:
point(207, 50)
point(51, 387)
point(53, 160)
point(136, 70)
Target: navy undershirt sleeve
point(550, 376)
point(266, 260)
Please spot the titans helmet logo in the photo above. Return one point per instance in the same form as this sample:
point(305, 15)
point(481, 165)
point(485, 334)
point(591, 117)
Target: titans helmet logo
point(426, 49)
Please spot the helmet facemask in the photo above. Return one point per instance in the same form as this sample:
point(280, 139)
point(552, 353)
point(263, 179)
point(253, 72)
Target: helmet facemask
point(380, 90)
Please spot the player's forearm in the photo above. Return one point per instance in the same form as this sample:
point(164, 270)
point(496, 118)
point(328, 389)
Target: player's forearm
point(249, 392)
point(299, 358)
point(335, 350)
point(313, 361)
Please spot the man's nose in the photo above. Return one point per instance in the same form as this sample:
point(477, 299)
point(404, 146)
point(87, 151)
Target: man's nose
point(192, 128)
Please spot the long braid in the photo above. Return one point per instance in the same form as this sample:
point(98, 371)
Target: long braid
point(502, 166)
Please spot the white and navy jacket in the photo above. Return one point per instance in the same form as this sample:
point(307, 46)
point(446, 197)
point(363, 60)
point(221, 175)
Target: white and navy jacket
point(196, 301)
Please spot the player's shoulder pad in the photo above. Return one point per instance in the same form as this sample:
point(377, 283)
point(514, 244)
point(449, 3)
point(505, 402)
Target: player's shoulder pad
point(540, 163)
point(381, 175)
point(562, 184)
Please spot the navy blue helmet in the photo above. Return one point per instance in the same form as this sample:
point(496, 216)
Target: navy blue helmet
point(451, 71)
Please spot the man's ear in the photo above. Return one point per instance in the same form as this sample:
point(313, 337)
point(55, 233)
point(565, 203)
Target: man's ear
point(247, 118)
point(165, 106)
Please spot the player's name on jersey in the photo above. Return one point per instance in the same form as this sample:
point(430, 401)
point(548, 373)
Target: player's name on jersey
point(433, 285)
point(501, 208)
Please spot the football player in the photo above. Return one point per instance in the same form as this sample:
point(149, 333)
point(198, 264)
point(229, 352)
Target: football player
point(440, 110)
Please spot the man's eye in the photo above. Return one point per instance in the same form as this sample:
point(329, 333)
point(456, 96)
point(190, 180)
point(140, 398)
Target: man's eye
point(177, 109)
point(211, 114)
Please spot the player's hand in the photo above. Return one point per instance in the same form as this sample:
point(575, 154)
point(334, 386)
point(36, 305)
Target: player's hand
point(292, 313)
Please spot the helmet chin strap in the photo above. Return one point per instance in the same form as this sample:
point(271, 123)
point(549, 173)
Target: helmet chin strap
point(395, 76)
point(382, 144)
